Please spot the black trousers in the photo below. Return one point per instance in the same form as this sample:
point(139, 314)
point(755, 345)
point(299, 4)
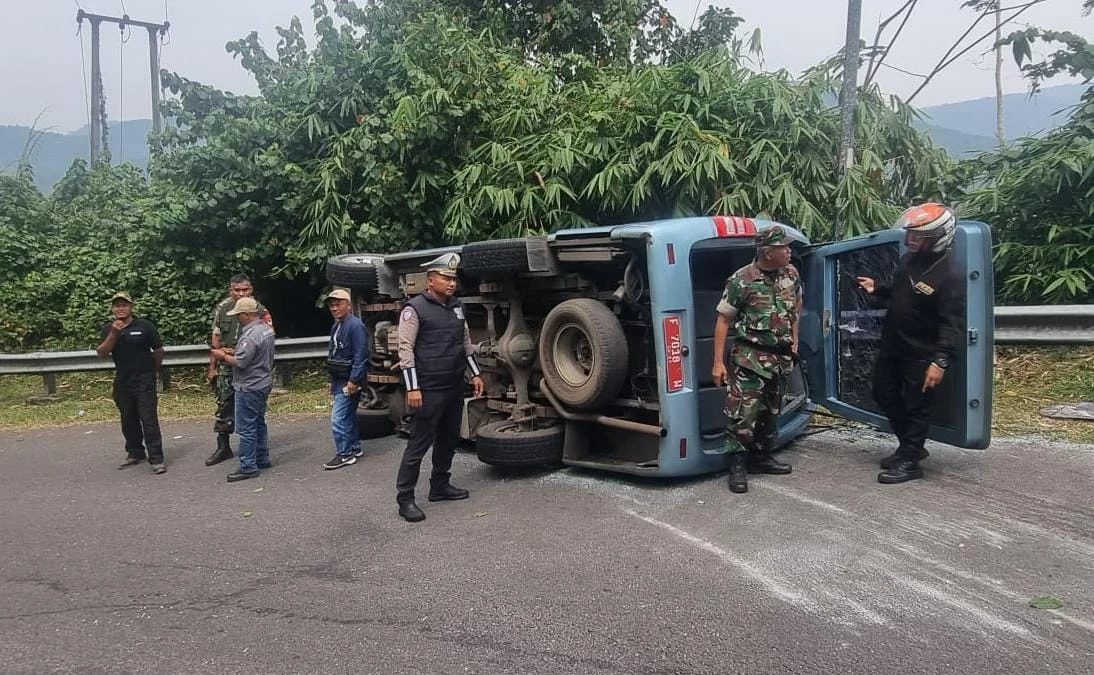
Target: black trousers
point(898, 389)
point(137, 402)
point(437, 424)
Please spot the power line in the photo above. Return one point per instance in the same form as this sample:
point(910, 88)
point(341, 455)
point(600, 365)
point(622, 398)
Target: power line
point(96, 72)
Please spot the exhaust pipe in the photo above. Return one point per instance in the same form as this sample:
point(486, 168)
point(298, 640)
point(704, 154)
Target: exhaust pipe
point(602, 420)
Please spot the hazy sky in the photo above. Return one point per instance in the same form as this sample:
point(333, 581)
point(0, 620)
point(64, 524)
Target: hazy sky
point(41, 68)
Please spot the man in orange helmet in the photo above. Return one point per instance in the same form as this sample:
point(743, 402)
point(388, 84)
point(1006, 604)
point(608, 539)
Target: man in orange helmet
point(923, 328)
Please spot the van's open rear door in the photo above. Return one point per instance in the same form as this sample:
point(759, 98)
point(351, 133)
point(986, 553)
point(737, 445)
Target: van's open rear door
point(841, 330)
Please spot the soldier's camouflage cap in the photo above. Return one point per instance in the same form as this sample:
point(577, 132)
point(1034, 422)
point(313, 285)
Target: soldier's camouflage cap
point(774, 235)
point(446, 264)
point(123, 296)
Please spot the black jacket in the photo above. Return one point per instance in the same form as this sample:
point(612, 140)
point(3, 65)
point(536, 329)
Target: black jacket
point(926, 303)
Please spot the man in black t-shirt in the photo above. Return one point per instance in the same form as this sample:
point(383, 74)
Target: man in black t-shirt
point(135, 346)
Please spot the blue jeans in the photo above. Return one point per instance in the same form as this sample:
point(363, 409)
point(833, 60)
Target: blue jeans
point(343, 421)
point(250, 426)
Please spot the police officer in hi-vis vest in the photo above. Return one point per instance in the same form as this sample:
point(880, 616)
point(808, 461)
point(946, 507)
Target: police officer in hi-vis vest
point(435, 352)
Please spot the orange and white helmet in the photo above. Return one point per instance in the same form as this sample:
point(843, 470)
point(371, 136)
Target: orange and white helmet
point(928, 227)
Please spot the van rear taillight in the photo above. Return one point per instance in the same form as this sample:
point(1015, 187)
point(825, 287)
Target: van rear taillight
point(683, 448)
point(674, 355)
point(733, 226)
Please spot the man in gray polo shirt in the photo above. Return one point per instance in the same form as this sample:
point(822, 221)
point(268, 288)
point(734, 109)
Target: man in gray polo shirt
point(252, 378)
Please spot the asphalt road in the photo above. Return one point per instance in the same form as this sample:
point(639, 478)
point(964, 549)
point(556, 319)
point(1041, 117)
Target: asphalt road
point(825, 571)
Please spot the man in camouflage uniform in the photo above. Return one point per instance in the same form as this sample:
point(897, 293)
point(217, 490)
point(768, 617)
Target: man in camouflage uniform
point(759, 312)
point(226, 331)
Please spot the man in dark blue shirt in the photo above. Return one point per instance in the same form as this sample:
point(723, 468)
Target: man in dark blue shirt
point(347, 363)
point(135, 346)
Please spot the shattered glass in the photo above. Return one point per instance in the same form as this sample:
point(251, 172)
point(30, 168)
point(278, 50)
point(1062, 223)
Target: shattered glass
point(860, 320)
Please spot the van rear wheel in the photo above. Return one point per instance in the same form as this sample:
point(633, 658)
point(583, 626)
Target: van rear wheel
point(583, 353)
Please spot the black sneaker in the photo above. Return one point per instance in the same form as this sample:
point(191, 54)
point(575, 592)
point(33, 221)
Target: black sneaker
point(159, 468)
point(338, 461)
point(358, 452)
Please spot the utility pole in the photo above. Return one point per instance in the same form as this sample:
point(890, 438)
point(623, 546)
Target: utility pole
point(848, 96)
point(96, 93)
point(154, 29)
point(154, 67)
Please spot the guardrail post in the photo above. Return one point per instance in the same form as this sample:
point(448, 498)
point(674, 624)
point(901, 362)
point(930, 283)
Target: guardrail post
point(282, 374)
point(49, 391)
point(165, 379)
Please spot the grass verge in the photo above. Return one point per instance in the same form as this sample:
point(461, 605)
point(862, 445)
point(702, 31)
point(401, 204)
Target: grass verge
point(86, 397)
point(1026, 380)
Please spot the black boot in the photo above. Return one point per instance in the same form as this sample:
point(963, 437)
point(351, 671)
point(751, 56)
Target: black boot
point(445, 491)
point(410, 512)
point(763, 462)
point(223, 451)
point(738, 476)
point(892, 460)
point(904, 471)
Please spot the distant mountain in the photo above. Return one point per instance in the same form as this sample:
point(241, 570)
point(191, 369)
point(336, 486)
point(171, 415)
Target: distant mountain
point(969, 126)
point(54, 152)
point(959, 144)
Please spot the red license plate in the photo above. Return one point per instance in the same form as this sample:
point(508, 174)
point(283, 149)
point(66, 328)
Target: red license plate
point(674, 355)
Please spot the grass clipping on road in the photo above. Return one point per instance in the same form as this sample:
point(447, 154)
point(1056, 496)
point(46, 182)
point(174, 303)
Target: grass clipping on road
point(1026, 380)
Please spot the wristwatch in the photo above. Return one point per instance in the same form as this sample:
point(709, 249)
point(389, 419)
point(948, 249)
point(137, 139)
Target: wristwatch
point(942, 362)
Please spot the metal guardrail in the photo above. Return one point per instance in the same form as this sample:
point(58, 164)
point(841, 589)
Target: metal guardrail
point(49, 364)
point(33, 363)
point(1027, 324)
point(1044, 325)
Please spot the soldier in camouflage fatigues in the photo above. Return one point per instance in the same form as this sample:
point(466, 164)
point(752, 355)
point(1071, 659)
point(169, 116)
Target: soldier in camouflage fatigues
point(225, 333)
point(758, 313)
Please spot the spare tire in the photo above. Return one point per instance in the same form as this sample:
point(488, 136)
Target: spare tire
point(359, 271)
point(583, 353)
point(497, 258)
point(506, 444)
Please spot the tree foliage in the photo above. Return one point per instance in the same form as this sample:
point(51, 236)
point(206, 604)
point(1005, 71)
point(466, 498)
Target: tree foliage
point(412, 123)
point(1039, 192)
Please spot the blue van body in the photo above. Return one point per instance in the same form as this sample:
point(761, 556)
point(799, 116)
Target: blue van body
point(681, 266)
point(687, 448)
